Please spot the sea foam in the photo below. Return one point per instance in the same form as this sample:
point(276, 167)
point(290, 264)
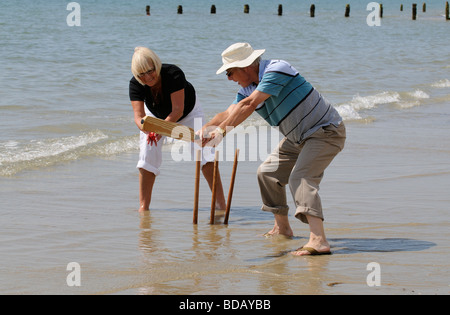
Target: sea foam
point(17, 156)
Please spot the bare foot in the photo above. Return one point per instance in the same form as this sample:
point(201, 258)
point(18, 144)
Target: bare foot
point(219, 214)
point(281, 227)
point(143, 209)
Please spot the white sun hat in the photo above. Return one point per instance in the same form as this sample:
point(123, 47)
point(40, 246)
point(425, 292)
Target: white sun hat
point(239, 55)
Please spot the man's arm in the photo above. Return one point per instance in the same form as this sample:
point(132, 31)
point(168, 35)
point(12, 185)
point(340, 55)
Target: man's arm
point(242, 110)
point(220, 117)
point(233, 116)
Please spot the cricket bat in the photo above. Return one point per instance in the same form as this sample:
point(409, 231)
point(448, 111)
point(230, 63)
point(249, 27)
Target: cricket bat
point(167, 128)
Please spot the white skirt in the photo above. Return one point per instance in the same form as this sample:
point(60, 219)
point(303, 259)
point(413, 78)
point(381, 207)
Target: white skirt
point(150, 156)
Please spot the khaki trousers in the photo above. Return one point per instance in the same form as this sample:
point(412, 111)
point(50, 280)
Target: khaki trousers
point(301, 166)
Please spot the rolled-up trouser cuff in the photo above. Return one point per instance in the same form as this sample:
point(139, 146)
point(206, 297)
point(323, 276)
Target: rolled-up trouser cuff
point(302, 212)
point(148, 168)
point(281, 210)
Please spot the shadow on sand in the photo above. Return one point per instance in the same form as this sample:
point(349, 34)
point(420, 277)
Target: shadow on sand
point(385, 245)
point(345, 246)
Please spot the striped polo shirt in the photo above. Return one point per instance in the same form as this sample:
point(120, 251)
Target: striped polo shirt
point(294, 106)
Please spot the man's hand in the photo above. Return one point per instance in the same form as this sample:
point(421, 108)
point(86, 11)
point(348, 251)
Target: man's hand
point(210, 136)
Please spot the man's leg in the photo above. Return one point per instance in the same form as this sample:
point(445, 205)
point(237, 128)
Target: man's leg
point(317, 153)
point(273, 176)
point(317, 238)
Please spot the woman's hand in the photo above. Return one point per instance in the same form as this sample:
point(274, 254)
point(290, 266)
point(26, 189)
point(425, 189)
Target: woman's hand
point(153, 138)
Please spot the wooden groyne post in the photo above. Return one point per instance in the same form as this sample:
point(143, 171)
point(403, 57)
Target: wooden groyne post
point(213, 9)
point(246, 9)
point(381, 10)
point(424, 7)
point(347, 10)
point(280, 10)
point(447, 16)
point(414, 11)
point(180, 9)
point(147, 9)
point(312, 11)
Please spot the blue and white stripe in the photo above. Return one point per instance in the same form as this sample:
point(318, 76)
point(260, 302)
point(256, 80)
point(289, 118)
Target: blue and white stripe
point(294, 106)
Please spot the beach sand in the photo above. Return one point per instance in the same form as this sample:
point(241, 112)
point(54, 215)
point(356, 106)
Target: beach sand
point(377, 210)
point(69, 147)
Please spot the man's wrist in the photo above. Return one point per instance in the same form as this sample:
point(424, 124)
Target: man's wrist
point(221, 131)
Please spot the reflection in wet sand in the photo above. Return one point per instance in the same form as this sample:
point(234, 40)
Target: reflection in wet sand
point(216, 259)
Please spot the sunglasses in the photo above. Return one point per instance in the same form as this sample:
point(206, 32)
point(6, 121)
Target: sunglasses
point(141, 75)
point(229, 73)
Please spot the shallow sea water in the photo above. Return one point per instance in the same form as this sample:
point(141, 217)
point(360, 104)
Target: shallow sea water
point(68, 150)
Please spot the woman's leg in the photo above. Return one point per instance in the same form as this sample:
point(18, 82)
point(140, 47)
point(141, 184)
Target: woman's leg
point(146, 181)
point(195, 120)
point(208, 172)
point(150, 159)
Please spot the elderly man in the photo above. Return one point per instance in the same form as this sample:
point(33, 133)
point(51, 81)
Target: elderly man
point(314, 135)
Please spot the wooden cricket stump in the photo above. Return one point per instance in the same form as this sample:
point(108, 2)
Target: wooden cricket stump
point(198, 163)
point(214, 188)
point(230, 192)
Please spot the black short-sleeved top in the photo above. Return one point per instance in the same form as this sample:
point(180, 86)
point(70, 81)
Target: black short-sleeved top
point(172, 80)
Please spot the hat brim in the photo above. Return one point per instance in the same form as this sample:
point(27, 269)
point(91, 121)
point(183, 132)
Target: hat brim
point(242, 63)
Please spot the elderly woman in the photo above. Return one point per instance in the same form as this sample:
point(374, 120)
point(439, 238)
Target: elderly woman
point(162, 91)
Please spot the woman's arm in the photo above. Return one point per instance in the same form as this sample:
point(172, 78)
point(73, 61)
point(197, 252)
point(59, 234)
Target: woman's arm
point(177, 99)
point(139, 113)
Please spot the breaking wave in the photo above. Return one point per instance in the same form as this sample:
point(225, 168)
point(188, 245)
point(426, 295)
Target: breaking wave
point(20, 155)
point(356, 109)
point(441, 84)
point(352, 110)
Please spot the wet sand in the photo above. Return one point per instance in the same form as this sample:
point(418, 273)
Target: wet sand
point(86, 212)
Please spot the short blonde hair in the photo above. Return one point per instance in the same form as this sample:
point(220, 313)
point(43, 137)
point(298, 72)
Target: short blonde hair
point(143, 60)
